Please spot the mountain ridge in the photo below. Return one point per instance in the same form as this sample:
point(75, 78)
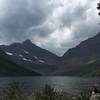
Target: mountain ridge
point(30, 56)
point(73, 62)
point(86, 52)
point(9, 68)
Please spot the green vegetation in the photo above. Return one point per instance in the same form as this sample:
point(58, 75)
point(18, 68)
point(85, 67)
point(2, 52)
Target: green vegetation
point(87, 70)
point(98, 7)
point(84, 95)
point(92, 69)
point(7, 68)
point(15, 92)
point(49, 93)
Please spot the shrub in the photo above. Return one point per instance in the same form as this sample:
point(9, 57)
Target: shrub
point(14, 91)
point(47, 93)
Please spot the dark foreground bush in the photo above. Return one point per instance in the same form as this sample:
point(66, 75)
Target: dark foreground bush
point(49, 93)
point(14, 92)
point(84, 95)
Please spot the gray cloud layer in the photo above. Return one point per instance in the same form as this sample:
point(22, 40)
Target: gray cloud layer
point(56, 26)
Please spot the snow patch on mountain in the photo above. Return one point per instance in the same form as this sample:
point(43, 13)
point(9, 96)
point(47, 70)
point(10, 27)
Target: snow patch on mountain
point(8, 53)
point(36, 57)
point(27, 59)
point(20, 56)
point(26, 52)
point(41, 61)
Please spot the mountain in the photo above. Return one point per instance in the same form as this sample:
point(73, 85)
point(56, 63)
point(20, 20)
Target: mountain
point(8, 68)
point(82, 58)
point(88, 48)
point(30, 56)
point(90, 69)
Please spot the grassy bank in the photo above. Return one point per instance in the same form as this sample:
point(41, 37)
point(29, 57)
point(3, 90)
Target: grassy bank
point(15, 92)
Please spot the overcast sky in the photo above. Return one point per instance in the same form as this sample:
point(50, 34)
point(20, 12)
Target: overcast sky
point(56, 25)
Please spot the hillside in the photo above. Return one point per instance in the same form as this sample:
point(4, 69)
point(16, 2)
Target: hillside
point(82, 59)
point(30, 56)
point(8, 68)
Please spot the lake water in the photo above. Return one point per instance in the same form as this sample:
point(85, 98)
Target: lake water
point(67, 84)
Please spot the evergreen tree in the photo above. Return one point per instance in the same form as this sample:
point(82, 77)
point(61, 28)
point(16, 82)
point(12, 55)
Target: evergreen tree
point(98, 6)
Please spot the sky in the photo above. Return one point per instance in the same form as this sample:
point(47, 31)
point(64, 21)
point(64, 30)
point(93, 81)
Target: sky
point(55, 25)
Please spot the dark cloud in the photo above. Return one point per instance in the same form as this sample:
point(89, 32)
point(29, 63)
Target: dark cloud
point(55, 26)
point(20, 16)
point(72, 16)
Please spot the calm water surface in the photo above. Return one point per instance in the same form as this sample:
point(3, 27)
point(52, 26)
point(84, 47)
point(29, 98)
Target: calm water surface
point(67, 84)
